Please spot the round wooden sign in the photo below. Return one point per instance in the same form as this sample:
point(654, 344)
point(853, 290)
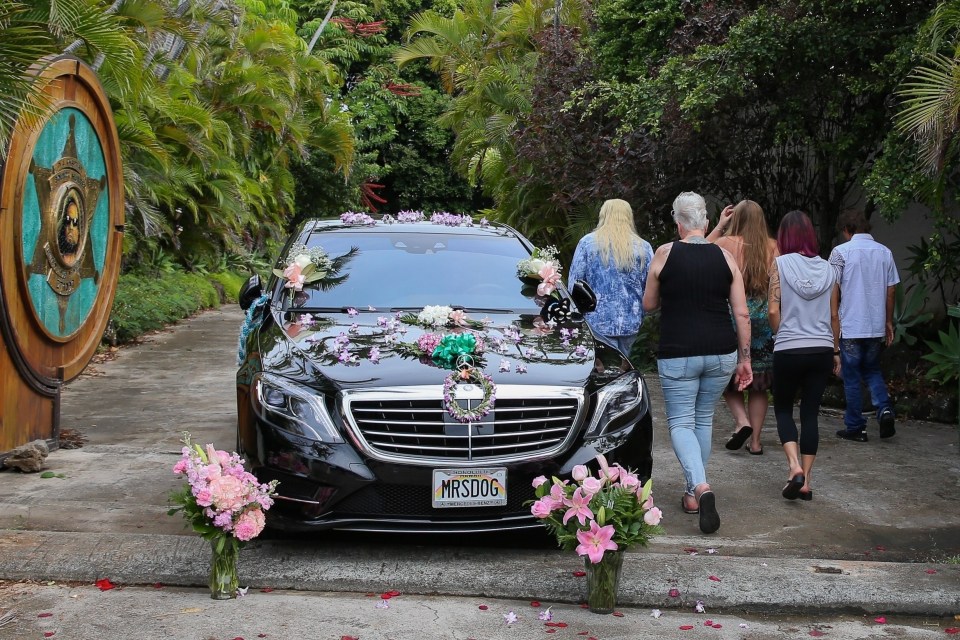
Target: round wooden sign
point(62, 224)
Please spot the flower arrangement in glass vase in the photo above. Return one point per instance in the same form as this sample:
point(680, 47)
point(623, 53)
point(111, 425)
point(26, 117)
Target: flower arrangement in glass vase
point(225, 504)
point(312, 266)
point(541, 268)
point(599, 516)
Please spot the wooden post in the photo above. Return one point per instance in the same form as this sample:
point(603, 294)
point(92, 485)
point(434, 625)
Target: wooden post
point(61, 230)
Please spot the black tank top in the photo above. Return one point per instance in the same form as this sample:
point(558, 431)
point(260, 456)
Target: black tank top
point(695, 318)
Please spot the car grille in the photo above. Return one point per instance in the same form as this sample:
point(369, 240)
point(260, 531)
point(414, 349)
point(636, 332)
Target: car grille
point(407, 426)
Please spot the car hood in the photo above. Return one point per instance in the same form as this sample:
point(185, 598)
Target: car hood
point(369, 350)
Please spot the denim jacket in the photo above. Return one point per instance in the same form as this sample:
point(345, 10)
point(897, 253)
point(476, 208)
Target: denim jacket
point(619, 293)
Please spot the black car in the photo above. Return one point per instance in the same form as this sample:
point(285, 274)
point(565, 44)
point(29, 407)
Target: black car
point(374, 420)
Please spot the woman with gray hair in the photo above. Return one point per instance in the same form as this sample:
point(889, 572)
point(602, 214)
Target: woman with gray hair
point(695, 284)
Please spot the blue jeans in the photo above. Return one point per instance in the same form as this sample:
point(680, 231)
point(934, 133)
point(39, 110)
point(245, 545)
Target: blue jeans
point(691, 388)
point(860, 360)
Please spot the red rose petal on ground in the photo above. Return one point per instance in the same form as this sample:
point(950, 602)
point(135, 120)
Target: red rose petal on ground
point(158, 585)
point(618, 614)
point(269, 589)
point(685, 627)
point(261, 635)
point(816, 634)
point(535, 603)
point(708, 623)
point(880, 620)
point(952, 630)
point(44, 615)
point(931, 571)
point(551, 630)
point(674, 593)
point(717, 625)
point(880, 547)
point(483, 607)
point(715, 578)
point(348, 638)
point(690, 550)
point(48, 634)
point(104, 584)
point(584, 605)
point(556, 624)
point(579, 574)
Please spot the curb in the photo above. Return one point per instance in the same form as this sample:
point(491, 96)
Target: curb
point(722, 583)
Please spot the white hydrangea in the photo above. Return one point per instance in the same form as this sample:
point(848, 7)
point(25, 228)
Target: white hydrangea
point(434, 316)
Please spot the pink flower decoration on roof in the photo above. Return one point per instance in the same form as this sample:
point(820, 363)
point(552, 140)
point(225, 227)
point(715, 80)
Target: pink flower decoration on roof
point(596, 541)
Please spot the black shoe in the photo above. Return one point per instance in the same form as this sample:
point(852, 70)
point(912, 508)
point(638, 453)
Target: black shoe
point(709, 518)
point(738, 438)
point(806, 496)
point(887, 427)
point(792, 490)
point(856, 436)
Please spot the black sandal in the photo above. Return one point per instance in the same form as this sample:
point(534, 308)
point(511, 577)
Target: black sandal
point(738, 438)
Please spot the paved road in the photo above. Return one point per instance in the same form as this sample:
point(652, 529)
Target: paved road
point(886, 514)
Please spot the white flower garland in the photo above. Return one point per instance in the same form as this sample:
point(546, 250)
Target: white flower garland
point(478, 377)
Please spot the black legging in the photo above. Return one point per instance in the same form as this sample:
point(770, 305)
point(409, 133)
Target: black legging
point(793, 370)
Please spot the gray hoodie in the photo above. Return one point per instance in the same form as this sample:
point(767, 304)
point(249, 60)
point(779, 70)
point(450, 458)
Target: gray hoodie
point(805, 288)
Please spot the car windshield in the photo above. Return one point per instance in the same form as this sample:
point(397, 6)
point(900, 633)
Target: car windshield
point(410, 270)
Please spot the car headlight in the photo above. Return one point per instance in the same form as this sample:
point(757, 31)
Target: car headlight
point(293, 408)
point(615, 400)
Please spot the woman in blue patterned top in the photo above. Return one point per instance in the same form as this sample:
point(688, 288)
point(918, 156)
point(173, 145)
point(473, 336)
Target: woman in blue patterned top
point(614, 261)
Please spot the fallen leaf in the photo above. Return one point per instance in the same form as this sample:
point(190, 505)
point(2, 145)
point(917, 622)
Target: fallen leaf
point(880, 620)
point(685, 627)
point(715, 578)
point(44, 615)
point(104, 584)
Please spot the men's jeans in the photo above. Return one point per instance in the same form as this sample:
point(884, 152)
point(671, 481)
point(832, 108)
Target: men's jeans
point(860, 359)
point(691, 388)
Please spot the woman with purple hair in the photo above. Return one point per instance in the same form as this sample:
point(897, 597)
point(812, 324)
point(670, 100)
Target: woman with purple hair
point(804, 315)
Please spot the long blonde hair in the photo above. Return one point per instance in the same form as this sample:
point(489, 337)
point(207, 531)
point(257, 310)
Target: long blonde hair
point(617, 236)
point(750, 225)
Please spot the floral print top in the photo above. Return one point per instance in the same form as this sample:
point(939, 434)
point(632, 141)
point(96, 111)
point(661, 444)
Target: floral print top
point(619, 309)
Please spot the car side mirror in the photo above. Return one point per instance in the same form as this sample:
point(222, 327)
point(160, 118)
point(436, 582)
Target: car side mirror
point(583, 296)
point(250, 291)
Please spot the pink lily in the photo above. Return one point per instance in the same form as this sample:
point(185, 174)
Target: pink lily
point(606, 471)
point(579, 506)
point(594, 542)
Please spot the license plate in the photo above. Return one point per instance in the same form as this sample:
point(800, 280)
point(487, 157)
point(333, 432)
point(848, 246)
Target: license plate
point(469, 487)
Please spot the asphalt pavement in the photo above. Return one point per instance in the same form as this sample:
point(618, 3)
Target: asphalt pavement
point(880, 539)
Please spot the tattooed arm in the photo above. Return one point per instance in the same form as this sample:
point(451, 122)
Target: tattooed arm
point(773, 297)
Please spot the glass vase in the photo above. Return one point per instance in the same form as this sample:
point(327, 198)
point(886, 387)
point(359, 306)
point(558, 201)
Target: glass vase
point(224, 581)
point(603, 581)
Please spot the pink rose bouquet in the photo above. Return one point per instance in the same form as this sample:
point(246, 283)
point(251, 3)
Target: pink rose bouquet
point(221, 500)
point(593, 513)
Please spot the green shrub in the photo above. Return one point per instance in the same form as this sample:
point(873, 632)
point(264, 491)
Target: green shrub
point(147, 303)
point(231, 284)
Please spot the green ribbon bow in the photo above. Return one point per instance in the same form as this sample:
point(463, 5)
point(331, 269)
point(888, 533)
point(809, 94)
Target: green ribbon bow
point(452, 346)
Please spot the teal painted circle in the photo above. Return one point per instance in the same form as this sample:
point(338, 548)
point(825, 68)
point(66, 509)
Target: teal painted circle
point(62, 316)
